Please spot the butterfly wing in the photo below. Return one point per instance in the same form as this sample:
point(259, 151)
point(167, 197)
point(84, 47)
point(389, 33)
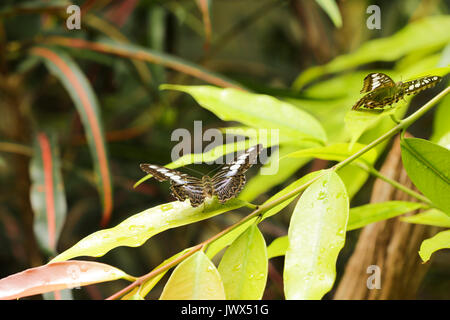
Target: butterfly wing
point(230, 180)
point(415, 86)
point(182, 186)
point(376, 80)
point(369, 101)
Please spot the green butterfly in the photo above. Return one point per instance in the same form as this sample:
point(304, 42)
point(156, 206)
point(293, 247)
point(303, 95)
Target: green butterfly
point(383, 91)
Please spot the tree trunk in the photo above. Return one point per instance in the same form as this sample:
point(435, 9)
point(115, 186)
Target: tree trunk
point(391, 245)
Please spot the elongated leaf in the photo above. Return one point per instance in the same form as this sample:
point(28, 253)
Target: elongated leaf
point(243, 267)
point(414, 36)
point(79, 89)
point(255, 110)
point(196, 278)
point(57, 276)
point(337, 152)
point(370, 213)
point(278, 247)
point(217, 245)
point(428, 166)
point(332, 10)
point(140, 292)
point(138, 228)
point(432, 217)
point(131, 51)
point(441, 128)
point(47, 192)
point(316, 235)
point(438, 242)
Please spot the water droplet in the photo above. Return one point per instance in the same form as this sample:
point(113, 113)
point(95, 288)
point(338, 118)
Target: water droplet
point(322, 195)
point(237, 267)
point(167, 207)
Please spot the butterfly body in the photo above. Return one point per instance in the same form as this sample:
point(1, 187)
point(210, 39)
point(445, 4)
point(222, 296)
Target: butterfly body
point(226, 184)
point(383, 91)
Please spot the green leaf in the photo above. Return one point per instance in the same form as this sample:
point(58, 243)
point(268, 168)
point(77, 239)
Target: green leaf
point(217, 245)
point(260, 111)
point(428, 166)
point(370, 213)
point(58, 276)
point(138, 228)
point(438, 242)
point(357, 122)
point(196, 278)
point(353, 177)
point(316, 235)
point(414, 36)
point(336, 152)
point(141, 291)
point(432, 217)
point(83, 96)
point(47, 195)
point(303, 180)
point(243, 267)
point(441, 129)
point(332, 10)
point(278, 247)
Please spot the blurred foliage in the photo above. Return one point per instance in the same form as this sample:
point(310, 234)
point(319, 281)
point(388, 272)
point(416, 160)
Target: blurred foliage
point(98, 93)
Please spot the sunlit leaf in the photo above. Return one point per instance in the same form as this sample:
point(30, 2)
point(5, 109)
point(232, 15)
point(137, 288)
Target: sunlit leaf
point(316, 235)
point(196, 278)
point(303, 180)
point(243, 267)
point(217, 245)
point(47, 192)
point(58, 276)
point(278, 247)
point(432, 217)
point(441, 129)
point(137, 229)
point(140, 292)
point(336, 152)
point(428, 166)
point(373, 212)
point(438, 242)
point(357, 122)
point(260, 111)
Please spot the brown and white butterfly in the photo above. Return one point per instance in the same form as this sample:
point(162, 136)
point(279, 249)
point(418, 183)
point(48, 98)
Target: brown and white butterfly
point(383, 91)
point(225, 184)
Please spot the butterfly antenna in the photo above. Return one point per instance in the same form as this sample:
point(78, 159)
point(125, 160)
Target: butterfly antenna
point(193, 170)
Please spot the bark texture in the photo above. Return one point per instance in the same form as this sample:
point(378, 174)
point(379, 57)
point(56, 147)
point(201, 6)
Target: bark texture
point(391, 245)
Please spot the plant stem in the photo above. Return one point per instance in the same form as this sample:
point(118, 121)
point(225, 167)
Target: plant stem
point(402, 125)
point(395, 184)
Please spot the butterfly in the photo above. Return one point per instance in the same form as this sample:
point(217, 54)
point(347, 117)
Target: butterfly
point(383, 91)
point(225, 184)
